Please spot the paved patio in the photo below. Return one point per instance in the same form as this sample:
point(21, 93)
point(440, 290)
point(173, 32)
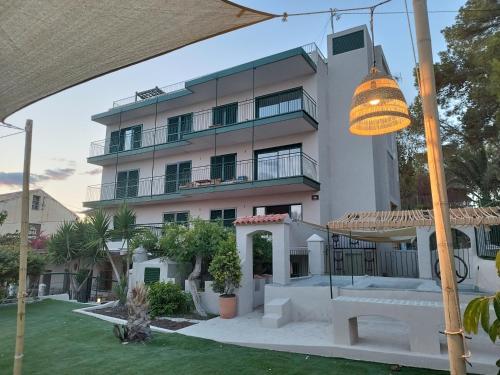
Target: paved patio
point(381, 340)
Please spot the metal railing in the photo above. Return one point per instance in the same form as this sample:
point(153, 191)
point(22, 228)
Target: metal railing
point(299, 262)
point(247, 110)
point(488, 241)
point(240, 172)
point(311, 49)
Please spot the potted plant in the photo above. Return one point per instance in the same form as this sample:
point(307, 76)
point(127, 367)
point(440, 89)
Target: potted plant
point(226, 271)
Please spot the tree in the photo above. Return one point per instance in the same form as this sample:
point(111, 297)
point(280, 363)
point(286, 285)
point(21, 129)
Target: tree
point(468, 81)
point(195, 243)
point(124, 227)
point(100, 235)
point(478, 312)
point(225, 267)
point(70, 244)
point(3, 217)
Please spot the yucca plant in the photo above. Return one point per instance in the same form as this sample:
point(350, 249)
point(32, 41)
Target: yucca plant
point(138, 322)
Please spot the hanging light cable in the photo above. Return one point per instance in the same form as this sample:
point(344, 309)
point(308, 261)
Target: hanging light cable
point(378, 106)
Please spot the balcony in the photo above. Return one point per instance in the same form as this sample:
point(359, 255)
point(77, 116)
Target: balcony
point(294, 172)
point(191, 130)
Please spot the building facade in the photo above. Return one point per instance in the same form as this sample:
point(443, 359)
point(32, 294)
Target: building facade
point(45, 216)
point(268, 136)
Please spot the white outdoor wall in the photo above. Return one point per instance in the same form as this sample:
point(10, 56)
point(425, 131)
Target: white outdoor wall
point(50, 215)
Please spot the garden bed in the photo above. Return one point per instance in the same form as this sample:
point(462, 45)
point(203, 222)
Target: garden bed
point(120, 312)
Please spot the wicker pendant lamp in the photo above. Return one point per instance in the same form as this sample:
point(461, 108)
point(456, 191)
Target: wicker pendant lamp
point(378, 105)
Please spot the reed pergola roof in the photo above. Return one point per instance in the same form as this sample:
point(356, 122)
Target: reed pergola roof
point(49, 45)
point(383, 220)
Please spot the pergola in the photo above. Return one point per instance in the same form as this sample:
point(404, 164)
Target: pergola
point(385, 220)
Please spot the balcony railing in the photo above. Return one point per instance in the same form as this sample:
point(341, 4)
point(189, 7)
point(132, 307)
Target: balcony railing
point(268, 106)
point(215, 175)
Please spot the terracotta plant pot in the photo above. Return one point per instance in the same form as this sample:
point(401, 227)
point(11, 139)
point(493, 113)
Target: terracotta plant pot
point(227, 306)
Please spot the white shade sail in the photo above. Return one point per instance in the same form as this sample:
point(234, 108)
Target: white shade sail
point(49, 45)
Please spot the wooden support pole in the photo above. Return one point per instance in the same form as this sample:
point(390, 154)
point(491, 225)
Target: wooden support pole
point(23, 252)
point(454, 332)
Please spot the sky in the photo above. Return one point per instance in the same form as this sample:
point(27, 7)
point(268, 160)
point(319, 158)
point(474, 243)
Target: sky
point(63, 130)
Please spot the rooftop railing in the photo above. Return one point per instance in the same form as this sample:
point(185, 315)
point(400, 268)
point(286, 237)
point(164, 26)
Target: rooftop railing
point(215, 175)
point(247, 110)
point(310, 49)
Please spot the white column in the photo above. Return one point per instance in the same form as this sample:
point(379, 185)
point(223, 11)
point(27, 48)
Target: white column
point(316, 247)
point(281, 252)
point(424, 252)
point(244, 243)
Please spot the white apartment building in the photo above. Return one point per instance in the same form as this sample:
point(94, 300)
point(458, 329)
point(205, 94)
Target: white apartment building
point(267, 136)
point(45, 216)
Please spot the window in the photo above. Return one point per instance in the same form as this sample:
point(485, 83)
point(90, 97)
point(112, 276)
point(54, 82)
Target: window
point(278, 103)
point(127, 184)
point(228, 215)
point(34, 230)
point(151, 275)
point(125, 139)
point(223, 167)
point(176, 175)
point(117, 236)
point(278, 162)
point(179, 125)
point(176, 217)
point(293, 210)
point(225, 114)
point(35, 202)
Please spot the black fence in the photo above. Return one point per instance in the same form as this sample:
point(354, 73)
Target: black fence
point(95, 287)
point(299, 262)
point(488, 241)
point(350, 257)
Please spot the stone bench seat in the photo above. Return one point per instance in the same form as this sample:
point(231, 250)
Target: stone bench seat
point(424, 319)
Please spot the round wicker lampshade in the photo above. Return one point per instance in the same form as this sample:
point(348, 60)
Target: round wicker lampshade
point(378, 106)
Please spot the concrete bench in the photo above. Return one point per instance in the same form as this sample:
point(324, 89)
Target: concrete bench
point(424, 319)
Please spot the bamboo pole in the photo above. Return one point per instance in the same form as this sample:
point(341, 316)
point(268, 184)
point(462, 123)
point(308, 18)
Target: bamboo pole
point(23, 252)
point(453, 331)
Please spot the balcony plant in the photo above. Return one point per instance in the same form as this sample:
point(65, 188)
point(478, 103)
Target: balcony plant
point(226, 270)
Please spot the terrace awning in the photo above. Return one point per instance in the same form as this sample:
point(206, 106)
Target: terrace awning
point(50, 45)
point(389, 220)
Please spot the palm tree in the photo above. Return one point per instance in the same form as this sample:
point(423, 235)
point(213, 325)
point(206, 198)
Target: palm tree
point(124, 228)
point(100, 235)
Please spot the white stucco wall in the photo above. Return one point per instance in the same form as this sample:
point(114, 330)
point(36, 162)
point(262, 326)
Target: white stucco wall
point(50, 214)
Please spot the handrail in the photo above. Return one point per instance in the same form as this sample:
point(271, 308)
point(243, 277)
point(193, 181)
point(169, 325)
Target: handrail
point(241, 171)
point(246, 110)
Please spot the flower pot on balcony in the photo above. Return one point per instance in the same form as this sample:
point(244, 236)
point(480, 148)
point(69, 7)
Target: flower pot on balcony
point(227, 306)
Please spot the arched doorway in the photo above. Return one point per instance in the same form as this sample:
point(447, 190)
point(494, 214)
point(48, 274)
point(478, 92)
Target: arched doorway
point(461, 249)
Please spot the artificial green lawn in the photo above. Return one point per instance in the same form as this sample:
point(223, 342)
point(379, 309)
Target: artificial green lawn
point(59, 341)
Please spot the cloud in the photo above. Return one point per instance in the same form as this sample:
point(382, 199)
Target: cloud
point(93, 172)
point(16, 178)
point(70, 163)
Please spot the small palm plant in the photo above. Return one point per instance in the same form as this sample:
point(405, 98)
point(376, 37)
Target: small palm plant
point(138, 323)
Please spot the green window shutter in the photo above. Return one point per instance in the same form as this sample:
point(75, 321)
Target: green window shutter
point(168, 217)
point(348, 42)
point(215, 214)
point(182, 217)
point(171, 178)
point(133, 183)
point(229, 217)
point(151, 275)
point(186, 123)
point(121, 184)
point(173, 129)
point(137, 136)
point(114, 141)
point(216, 167)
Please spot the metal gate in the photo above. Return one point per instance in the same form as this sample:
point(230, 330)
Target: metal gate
point(487, 241)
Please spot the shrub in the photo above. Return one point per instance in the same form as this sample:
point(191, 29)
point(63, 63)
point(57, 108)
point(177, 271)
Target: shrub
point(225, 267)
point(168, 299)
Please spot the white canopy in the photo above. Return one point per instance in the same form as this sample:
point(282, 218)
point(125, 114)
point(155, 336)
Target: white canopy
point(49, 45)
